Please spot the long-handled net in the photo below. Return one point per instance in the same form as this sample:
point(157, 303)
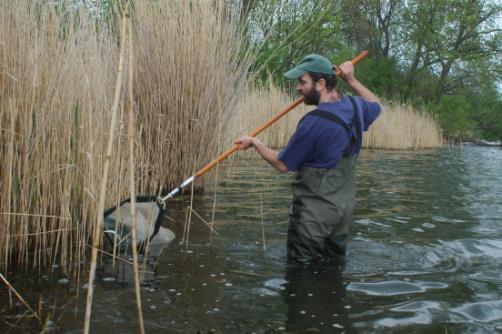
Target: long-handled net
point(150, 209)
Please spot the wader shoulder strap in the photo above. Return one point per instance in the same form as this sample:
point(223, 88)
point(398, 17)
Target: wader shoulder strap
point(328, 116)
point(356, 119)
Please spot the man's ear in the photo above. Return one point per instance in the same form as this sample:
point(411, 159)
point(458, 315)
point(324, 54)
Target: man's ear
point(321, 82)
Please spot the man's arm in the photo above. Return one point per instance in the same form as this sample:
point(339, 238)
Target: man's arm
point(347, 74)
point(268, 154)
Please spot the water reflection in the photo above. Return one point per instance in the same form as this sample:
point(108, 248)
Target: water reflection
point(487, 311)
point(424, 255)
point(315, 299)
point(395, 287)
point(417, 190)
point(121, 270)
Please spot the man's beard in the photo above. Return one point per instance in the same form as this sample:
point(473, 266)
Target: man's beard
point(312, 97)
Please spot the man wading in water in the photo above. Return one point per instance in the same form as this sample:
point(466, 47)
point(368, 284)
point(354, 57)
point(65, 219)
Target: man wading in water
point(322, 152)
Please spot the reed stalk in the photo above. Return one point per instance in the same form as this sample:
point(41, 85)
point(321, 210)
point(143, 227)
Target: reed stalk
point(132, 178)
point(21, 299)
point(183, 235)
point(213, 211)
point(209, 225)
point(98, 228)
point(190, 210)
point(264, 242)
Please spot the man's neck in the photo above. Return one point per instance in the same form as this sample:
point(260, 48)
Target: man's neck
point(332, 96)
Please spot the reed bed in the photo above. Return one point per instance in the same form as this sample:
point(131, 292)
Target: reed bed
point(54, 86)
point(57, 82)
point(192, 67)
point(398, 127)
point(256, 108)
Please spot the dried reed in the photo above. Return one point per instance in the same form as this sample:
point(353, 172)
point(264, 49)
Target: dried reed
point(98, 228)
point(132, 169)
point(21, 299)
point(257, 107)
point(54, 84)
point(399, 126)
point(192, 66)
point(56, 93)
point(264, 242)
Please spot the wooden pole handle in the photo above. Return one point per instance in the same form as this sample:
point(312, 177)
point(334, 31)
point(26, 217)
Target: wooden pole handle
point(268, 123)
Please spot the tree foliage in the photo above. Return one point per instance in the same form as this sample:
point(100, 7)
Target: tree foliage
point(444, 54)
point(441, 54)
point(288, 30)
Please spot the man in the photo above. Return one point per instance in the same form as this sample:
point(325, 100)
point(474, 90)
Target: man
point(322, 152)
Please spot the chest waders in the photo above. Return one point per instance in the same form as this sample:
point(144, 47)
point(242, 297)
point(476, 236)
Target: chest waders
point(321, 210)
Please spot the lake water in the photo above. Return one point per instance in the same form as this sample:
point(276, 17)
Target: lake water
point(425, 256)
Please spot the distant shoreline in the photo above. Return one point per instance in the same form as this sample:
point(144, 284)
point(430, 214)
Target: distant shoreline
point(480, 142)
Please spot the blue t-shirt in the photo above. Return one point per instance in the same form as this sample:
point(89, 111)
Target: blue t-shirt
point(320, 143)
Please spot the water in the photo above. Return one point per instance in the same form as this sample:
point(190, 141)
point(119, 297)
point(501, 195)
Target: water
point(425, 256)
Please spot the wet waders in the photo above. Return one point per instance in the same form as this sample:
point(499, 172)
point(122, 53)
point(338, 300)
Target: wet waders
point(323, 202)
point(321, 212)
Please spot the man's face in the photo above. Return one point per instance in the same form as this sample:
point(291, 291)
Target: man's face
point(307, 87)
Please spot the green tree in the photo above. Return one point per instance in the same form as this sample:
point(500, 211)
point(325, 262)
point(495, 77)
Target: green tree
point(453, 111)
point(286, 31)
point(444, 39)
point(372, 25)
point(486, 112)
point(436, 53)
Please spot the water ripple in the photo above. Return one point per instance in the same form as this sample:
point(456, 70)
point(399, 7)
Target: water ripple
point(487, 311)
point(419, 319)
point(471, 248)
point(394, 287)
point(417, 306)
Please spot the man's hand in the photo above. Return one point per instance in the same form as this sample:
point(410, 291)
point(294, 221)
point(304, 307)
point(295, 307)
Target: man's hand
point(347, 71)
point(347, 74)
point(268, 154)
point(245, 142)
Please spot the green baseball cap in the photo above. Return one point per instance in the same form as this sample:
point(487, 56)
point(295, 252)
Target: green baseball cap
point(311, 63)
